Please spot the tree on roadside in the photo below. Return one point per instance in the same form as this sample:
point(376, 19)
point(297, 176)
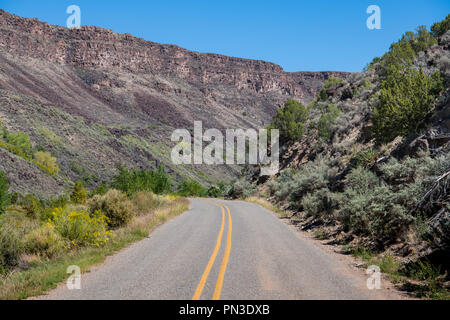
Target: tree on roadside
point(79, 194)
point(406, 96)
point(290, 120)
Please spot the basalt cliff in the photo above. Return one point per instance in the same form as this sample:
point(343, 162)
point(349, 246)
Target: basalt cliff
point(95, 99)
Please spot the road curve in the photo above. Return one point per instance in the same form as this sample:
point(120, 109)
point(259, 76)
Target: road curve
point(221, 250)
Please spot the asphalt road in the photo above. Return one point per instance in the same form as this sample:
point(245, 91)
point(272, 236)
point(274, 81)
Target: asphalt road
point(198, 256)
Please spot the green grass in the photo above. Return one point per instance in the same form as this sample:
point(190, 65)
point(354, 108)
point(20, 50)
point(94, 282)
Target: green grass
point(45, 275)
point(362, 253)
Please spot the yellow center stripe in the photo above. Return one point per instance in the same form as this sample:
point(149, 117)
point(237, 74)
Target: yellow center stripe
point(201, 284)
point(223, 266)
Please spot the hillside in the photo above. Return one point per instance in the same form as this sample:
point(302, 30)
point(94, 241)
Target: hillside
point(371, 170)
point(95, 99)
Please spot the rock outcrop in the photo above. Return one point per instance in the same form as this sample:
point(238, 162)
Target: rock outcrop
point(95, 98)
point(93, 47)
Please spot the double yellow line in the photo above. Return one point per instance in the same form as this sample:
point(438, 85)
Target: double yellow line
point(223, 266)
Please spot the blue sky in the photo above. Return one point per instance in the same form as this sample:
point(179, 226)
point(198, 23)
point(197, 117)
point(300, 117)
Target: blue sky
point(298, 35)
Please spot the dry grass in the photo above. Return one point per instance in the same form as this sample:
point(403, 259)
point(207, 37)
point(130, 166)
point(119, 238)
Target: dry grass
point(268, 205)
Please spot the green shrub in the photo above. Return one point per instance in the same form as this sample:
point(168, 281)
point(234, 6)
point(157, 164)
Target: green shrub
point(116, 207)
point(431, 274)
point(280, 187)
point(405, 99)
point(290, 120)
point(352, 211)
point(124, 180)
point(409, 169)
point(19, 144)
point(362, 179)
point(44, 241)
point(439, 28)
point(76, 168)
point(79, 193)
point(130, 182)
point(366, 84)
point(214, 192)
point(191, 188)
point(331, 81)
point(31, 205)
point(242, 189)
point(162, 181)
point(46, 162)
point(319, 203)
point(3, 133)
point(411, 178)
point(327, 121)
point(422, 270)
point(295, 185)
point(312, 105)
point(396, 172)
point(366, 158)
point(310, 177)
point(388, 220)
point(14, 197)
point(421, 39)
point(402, 53)
point(437, 83)
point(361, 252)
point(374, 61)
point(60, 201)
point(387, 264)
point(356, 199)
point(371, 208)
point(101, 189)
point(4, 195)
point(80, 227)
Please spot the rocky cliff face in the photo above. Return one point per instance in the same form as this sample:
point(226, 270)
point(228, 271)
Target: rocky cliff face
point(90, 91)
point(93, 47)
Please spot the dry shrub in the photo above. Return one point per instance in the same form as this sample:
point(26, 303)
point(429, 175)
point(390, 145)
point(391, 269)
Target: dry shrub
point(116, 206)
point(13, 227)
point(11, 245)
point(143, 201)
point(44, 241)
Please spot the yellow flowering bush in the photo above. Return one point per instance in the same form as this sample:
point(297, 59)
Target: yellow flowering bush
point(80, 227)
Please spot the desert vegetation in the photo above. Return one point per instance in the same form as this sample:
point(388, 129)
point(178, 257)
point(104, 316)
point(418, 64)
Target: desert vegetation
point(290, 120)
point(38, 237)
point(19, 143)
point(367, 173)
point(39, 232)
point(330, 82)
